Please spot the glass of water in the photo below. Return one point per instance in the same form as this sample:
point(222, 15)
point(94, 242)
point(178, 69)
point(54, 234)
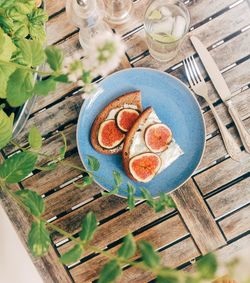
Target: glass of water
point(166, 22)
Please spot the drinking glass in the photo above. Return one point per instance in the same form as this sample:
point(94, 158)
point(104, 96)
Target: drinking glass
point(117, 11)
point(166, 22)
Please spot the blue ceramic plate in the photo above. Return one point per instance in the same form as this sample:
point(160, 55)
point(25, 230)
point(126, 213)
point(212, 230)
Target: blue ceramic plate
point(174, 104)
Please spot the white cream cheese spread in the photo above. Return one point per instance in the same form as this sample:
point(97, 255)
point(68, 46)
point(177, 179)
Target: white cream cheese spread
point(138, 146)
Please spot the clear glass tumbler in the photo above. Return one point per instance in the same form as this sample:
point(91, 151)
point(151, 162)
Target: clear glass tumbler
point(117, 11)
point(166, 22)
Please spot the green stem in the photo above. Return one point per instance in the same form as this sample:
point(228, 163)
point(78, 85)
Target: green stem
point(25, 68)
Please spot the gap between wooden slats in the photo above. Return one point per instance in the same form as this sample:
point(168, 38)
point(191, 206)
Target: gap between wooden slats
point(89, 270)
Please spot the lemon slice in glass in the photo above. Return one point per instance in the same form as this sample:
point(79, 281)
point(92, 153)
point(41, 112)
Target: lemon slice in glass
point(164, 38)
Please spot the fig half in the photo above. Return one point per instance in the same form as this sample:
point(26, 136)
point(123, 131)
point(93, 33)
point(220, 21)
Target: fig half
point(109, 135)
point(143, 167)
point(157, 137)
point(126, 118)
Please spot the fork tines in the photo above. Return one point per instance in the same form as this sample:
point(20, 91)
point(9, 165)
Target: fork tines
point(192, 70)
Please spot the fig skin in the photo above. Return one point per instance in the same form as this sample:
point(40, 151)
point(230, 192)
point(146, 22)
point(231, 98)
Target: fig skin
point(164, 143)
point(153, 171)
point(111, 135)
point(118, 118)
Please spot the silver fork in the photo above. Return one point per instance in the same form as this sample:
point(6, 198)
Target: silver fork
point(199, 86)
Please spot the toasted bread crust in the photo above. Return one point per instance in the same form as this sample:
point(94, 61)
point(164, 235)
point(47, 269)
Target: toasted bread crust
point(129, 139)
point(128, 98)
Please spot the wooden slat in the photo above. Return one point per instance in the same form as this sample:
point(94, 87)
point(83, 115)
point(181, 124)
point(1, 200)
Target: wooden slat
point(137, 44)
point(231, 21)
point(53, 118)
point(237, 223)
point(172, 257)
point(228, 200)
point(53, 6)
point(119, 226)
point(102, 207)
point(58, 28)
point(68, 197)
point(159, 235)
point(45, 181)
point(197, 217)
point(48, 266)
point(61, 91)
point(241, 102)
point(223, 173)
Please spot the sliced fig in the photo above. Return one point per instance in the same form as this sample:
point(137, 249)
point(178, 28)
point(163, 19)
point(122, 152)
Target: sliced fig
point(157, 137)
point(109, 135)
point(126, 118)
point(144, 167)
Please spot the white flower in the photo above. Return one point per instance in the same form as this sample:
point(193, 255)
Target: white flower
point(104, 53)
point(73, 66)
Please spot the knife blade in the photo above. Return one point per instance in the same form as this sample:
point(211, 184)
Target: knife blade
point(212, 69)
point(222, 88)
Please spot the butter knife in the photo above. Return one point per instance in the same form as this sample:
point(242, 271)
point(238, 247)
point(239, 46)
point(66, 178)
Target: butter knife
point(222, 89)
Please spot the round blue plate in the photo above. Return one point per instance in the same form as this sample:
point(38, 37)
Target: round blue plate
point(174, 104)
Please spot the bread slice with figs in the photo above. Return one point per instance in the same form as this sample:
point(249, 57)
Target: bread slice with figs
point(149, 148)
point(110, 127)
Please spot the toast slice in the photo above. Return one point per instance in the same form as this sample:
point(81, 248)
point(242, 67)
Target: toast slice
point(131, 100)
point(136, 147)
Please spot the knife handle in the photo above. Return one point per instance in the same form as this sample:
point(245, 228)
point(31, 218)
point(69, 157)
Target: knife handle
point(244, 135)
point(231, 146)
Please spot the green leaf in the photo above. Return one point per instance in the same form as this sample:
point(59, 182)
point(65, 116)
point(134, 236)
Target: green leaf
point(17, 167)
point(149, 256)
point(63, 149)
point(49, 167)
point(32, 53)
point(110, 272)
point(86, 181)
point(93, 163)
point(43, 87)
point(38, 239)
point(5, 73)
point(72, 255)
point(167, 279)
point(207, 266)
point(37, 32)
point(54, 57)
point(112, 192)
point(148, 197)
point(6, 128)
point(35, 138)
point(62, 79)
point(38, 16)
point(6, 46)
point(131, 198)
point(89, 225)
point(20, 87)
point(117, 178)
point(128, 248)
point(32, 201)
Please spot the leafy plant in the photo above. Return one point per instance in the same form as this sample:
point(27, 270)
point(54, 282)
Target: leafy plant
point(21, 52)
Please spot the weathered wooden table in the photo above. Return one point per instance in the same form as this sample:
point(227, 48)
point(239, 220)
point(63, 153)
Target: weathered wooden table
point(213, 207)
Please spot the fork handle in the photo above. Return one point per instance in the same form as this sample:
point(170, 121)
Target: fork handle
point(232, 147)
point(244, 135)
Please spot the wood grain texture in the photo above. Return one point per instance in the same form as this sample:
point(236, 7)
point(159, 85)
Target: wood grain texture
point(232, 198)
point(199, 11)
point(45, 181)
point(121, 225)
point(223, 173)
point(174, 256)
point(197, 217)
point(229, 22)
point(237, 223)
point(159, 236)
point(53, 6)
point(48, 266)
point(65, 199)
